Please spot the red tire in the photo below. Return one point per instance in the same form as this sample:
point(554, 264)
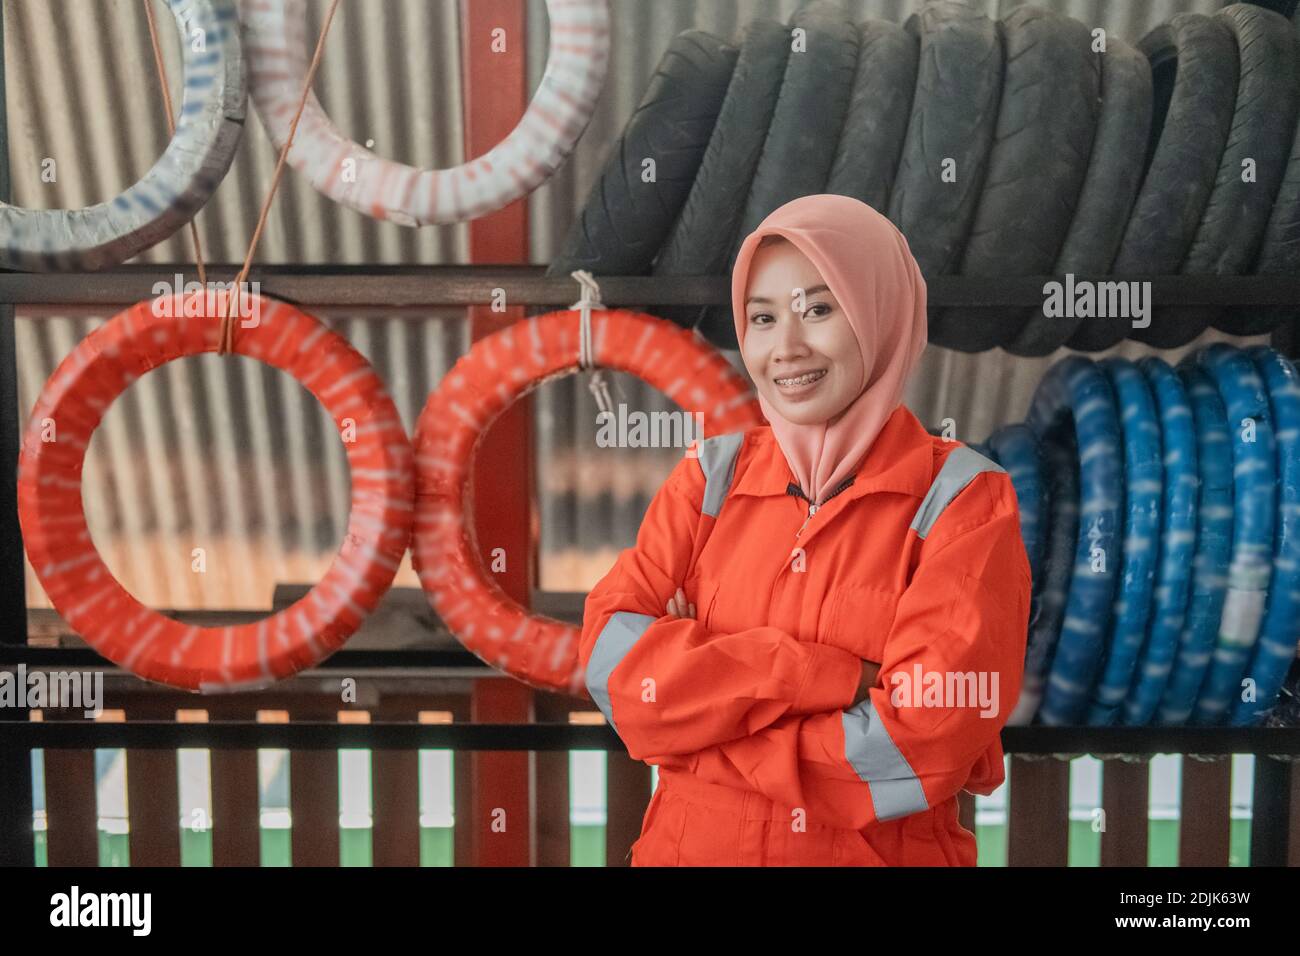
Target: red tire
point(498, 370)
point(119, 627)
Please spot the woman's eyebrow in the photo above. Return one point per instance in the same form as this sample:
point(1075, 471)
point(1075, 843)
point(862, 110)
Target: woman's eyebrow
point(765, 301)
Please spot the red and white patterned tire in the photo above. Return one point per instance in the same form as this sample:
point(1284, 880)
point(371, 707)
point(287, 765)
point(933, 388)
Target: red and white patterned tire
point(277, 49)
point(497, 371)
point(96, 606)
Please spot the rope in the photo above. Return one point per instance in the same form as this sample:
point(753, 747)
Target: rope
point(171, 128)
point(227, 340)
point(590, 299)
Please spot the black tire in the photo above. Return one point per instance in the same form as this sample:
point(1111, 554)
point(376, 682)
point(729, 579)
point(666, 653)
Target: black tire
point(810, 109)
point(954, 112)
point(1047, 117)
point(1194, 90)
point(700, 241)
point(625, 221)
point(804, 133)
point(1111, 185)
point(876, 123)
point(1268, 100)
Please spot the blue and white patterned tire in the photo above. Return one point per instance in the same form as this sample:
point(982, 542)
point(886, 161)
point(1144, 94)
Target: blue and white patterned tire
point(1061, 461)
point(1254, 469)
point(1213, 546)
point(1143, 486)
point(180, 182)
point(1075, 389)
point(1177, 541)
point(1280, 629)
point(1015, 448)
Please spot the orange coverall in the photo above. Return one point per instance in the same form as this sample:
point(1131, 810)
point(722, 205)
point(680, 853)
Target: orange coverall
point(918, 565)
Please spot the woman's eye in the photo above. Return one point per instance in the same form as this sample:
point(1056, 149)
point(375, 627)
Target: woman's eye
point(760, 318)
point(818, 309)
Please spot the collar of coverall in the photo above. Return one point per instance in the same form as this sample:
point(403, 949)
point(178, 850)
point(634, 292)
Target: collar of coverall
point(901, 459)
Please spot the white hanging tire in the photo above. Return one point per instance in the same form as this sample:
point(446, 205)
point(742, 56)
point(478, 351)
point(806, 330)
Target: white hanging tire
point(179, 183)
point(383, 189)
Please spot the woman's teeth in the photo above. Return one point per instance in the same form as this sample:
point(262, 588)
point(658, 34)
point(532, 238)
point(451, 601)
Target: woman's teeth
point(804, 379)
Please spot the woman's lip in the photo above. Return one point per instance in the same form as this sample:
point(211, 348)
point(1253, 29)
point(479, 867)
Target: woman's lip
point(800, 389)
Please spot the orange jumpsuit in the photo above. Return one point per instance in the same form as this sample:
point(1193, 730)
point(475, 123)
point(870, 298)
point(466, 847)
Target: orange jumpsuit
point(918, 564)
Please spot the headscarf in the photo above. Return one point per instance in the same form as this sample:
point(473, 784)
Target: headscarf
point(869, 268)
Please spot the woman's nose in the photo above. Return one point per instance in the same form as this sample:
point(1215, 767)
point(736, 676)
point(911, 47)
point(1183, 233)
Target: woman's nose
point(790, 340)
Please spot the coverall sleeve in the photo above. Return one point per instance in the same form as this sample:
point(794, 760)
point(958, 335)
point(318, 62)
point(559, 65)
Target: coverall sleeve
point(964, 617)
point(667, 685)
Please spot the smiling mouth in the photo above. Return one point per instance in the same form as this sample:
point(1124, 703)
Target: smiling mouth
point(800, 381)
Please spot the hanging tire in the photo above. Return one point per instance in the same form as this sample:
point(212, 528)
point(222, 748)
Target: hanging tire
point(80, 585)
point(178, 184)
point(538, 145)
point(496, 372)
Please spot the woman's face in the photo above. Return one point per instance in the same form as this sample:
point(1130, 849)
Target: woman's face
point(798, 346)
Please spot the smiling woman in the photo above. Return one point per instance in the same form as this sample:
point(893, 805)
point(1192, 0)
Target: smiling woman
point(750, 646)
point(799, 347)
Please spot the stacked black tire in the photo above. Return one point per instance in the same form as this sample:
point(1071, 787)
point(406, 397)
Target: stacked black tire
point(1032, 145)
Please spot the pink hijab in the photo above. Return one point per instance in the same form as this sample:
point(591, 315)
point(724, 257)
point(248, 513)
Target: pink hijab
point(870, 270)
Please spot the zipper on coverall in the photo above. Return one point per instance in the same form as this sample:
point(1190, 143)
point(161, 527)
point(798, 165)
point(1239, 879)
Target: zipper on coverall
point(793, 489)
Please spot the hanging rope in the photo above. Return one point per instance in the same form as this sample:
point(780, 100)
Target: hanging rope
point(171, 127)
point(227, 340)
point(590, 299)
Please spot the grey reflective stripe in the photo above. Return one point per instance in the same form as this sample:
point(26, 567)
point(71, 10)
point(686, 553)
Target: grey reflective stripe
point(717, 457)
point(895, 789)
point(616, 638)
point(961, 465)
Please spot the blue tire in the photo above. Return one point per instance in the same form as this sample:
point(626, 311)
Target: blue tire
point(1177, 542)
point(1143, 488)
point(1254, 456)
point(1213, 546)
point(1075, 389)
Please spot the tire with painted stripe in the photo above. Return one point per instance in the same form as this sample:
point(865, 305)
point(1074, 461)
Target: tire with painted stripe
point(1250, 429)
point(176, 187)
point(1276, 649)
point(96, 606)
point(1061, 458)
point(1143, 489)
point(495, 373)
point(1075, 390)
point(1177, 541)
point(353, 176)
point(1213, 547)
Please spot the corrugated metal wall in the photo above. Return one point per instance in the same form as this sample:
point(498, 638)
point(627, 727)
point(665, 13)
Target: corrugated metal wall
point(227, 455)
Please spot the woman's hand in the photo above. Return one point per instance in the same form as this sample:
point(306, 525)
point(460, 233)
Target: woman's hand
point(870, 670)
point(678, 606)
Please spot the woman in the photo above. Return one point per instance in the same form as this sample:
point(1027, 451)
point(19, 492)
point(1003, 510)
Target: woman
point(821, 629)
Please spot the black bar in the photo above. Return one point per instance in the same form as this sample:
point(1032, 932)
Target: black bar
point(412, 287)
point(1270, 815)
point(17, 841)
point(307, 735)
